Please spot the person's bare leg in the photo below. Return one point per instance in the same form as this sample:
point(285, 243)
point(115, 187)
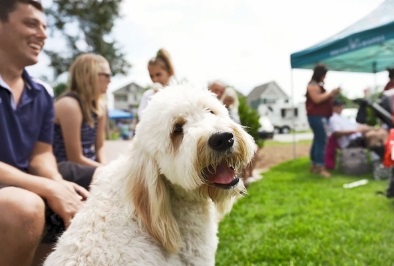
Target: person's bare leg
point(43, 251)
point(22, 223)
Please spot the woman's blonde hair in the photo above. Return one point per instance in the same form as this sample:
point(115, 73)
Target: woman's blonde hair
point(163, 60)
point(83, 82)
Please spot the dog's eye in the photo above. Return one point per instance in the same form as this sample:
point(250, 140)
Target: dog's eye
point(178, 128)
point(212, 112)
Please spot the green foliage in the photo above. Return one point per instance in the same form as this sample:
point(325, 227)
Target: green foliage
point(348, 102)
point(249, 118)
point(59, 89)
point(86, 27)
point(293, 217)
point(372, 119)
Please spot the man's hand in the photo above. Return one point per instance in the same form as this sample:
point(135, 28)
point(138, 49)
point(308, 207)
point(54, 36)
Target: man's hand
point(364, 128)
point(65, 199)
point(82, 192)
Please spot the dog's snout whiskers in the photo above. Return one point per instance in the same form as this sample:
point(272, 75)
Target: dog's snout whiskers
point(221, 141)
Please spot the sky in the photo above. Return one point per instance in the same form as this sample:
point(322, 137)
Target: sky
point(244, 43)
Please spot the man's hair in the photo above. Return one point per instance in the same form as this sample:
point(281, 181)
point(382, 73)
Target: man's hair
point(338, 102)
point(8, 6)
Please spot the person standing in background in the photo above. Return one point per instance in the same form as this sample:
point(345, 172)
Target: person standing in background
point(80, 113)
point(319, 110)
point(230, 99)
point(161, 72)
point(228, 96)
point(218, 87)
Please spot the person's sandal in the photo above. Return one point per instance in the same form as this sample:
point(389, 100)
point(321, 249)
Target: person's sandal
point(313, 169)
point(321, 170)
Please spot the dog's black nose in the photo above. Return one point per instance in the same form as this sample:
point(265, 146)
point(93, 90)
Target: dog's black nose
point(221, 141)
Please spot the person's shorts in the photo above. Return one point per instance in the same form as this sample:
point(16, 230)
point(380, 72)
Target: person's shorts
point(80, 174)
point(77, 173)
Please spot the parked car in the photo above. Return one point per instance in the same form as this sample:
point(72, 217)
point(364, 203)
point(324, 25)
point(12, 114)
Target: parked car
point(266, 130)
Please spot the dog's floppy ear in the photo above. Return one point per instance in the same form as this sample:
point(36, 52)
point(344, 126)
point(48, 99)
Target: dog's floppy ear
point(150, 196)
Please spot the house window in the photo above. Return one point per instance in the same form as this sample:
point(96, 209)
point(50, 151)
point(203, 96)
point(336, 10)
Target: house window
point(254, 104)
point(289, 113)
point(121, 98)
point(268, 101)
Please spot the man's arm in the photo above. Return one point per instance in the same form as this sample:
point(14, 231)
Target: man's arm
point(62, 200)
point(63, 197)
point(12, 176)
point(341, 133)
point(43, 162)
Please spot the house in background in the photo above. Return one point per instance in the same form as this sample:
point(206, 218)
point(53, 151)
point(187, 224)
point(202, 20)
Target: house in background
point(128, 97)
point(268, 93)
point(271, 101)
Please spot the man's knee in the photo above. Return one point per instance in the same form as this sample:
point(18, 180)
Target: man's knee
point(22, 212)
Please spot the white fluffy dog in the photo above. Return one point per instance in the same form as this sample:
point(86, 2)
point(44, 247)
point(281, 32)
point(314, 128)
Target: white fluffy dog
point(160, 204)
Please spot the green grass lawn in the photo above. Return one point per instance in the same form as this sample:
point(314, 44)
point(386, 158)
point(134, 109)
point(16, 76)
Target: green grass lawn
point(292, 217)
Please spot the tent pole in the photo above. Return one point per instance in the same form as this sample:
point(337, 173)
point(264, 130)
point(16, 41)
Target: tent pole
point(375, 89)
point(293, 107)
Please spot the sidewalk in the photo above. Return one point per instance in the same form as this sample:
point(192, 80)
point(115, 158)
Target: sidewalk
point(114, 148)
point(293, 137)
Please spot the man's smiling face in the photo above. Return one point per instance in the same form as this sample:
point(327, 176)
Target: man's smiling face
point(23, 35)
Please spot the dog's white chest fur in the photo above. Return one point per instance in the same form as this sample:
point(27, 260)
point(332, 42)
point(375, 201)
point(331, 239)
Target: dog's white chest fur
point(160, 204)
point(105, 233)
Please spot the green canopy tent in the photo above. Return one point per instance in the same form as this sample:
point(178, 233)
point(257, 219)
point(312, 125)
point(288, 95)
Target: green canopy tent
point(367, 46)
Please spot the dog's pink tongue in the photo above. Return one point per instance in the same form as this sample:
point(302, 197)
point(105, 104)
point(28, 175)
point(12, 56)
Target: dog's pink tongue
point(222, 175)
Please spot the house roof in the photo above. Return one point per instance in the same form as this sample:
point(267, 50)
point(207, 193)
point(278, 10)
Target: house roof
point(257, 91)
point(126, 88)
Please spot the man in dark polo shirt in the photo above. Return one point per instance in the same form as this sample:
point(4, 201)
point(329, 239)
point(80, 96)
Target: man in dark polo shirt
point(29, 178)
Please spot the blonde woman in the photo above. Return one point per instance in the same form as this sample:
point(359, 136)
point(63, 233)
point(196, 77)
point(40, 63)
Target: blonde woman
point(80, 112)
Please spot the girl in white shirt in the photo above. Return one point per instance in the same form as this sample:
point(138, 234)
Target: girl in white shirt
point(161, 72)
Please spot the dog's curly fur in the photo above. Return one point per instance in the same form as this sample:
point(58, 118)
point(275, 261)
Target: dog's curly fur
point(160, 204)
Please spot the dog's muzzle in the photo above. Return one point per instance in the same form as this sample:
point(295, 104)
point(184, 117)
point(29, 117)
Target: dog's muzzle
point(221, 141)
point(222, 175)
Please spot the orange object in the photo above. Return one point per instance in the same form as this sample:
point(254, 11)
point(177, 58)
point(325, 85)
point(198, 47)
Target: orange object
point(388, 159)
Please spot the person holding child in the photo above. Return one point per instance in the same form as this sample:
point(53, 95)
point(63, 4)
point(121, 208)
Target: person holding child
point(228, 96)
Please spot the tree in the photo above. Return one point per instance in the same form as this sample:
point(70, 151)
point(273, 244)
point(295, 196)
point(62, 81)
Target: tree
point(59, 88)
point(86, 27)
point(250, 119)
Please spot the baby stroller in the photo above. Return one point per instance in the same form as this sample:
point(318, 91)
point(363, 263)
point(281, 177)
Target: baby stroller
point(382, 109)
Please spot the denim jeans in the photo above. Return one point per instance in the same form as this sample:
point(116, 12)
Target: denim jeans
point(318, 125)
